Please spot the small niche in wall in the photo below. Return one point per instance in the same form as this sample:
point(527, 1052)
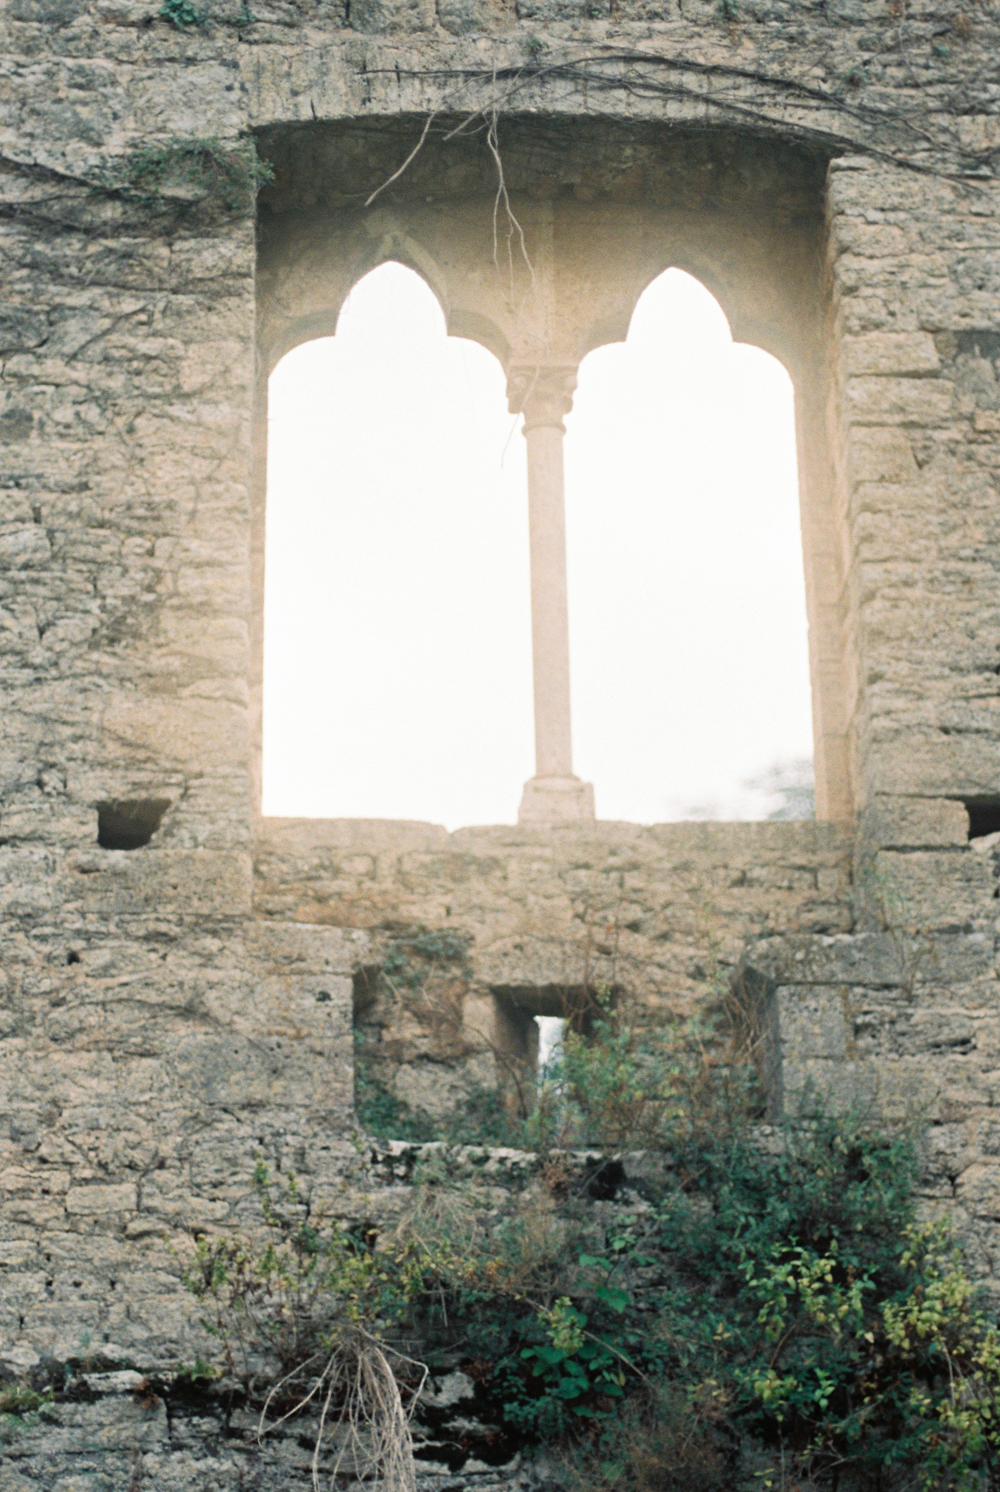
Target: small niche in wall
point(129, 823)
point(984, 816)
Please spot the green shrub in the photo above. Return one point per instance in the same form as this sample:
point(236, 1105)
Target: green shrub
point(621, 1087)
point(773, 1315)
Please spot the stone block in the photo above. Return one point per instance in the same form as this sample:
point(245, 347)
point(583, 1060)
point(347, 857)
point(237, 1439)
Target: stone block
point(812, 1023)
point(379, 17)
point(817, 1085)
point(297, 948)
point(24, 546)
point(867, 240)
point(927, 892)
point(866, 959)
point(910, 401)
point(198, 733)
point(914, 823)
point(931, 765)
point(891, 353)
point(187, 883)
point(94, 1201)
point(978, 1189)
point(881, 455)
point(465, 17)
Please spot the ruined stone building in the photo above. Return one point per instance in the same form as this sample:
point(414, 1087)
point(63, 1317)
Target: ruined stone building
point(185, 198)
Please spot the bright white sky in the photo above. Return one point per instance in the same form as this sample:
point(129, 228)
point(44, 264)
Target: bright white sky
point(397, 647)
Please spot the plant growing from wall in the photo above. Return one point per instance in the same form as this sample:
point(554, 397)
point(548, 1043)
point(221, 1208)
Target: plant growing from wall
point(302, 1318)
point(770, 1312)
point(181, 13)
point(187, 172)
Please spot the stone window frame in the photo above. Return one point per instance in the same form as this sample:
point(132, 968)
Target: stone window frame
point(760, 250)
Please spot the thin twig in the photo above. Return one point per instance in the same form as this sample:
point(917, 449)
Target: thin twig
point(409, 159)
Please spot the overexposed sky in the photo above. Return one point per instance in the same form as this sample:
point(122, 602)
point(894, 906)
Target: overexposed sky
point(397, 612)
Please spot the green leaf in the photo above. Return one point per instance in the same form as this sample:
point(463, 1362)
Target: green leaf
point(572, 1388)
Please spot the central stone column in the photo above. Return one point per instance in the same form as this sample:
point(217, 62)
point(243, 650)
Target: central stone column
point(544, 395)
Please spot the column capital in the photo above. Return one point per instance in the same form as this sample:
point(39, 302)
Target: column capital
point(542, 392)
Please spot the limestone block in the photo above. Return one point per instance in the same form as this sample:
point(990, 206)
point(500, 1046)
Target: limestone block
point(20, 328)
point(544, 12)
point(915, 823)
point(92, 1201)
point(288, 1047)
point(892, 353)
point(300, 949)
point(978, 1189)
point(844, 959)
point(911, 401)
point(938, 1029)
point(24, 546)
point(962, 961)
point(867, 240)
point(524, 962)
point(461, 17)
point(198, 733)
point(881, 455)
point(813, 1023)
point(926, 892)
point(813, 1085)
point(381, 16)
point(933, 766)
point(203, 883)
point(647, 10)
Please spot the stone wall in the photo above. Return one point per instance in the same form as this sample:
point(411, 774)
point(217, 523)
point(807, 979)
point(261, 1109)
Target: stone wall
point(168, 1011)
point(658, 917)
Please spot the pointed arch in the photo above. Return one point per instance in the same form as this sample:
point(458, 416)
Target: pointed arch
point(679, 515)
point(397, 655)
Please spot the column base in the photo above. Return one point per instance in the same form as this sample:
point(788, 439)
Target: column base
point(556, 800)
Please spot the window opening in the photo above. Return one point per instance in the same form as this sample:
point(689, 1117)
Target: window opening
point(398, 634)
point(688, 634)
point(551, 1029)
point(397, 627)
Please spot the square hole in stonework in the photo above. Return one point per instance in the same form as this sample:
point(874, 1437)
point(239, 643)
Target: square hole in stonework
point(129, 823)
point(984, 816)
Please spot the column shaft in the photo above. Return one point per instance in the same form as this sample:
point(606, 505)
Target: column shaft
point(549, 609)
point(544, 395)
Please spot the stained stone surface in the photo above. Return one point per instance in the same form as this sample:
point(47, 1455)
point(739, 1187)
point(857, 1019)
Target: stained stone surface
point(171, 1010)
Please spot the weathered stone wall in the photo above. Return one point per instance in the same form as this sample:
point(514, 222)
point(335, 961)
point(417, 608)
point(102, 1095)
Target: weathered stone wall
point(167, 1012)
point(659, 916)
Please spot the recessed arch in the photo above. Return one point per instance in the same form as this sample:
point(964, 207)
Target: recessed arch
point(604, 214)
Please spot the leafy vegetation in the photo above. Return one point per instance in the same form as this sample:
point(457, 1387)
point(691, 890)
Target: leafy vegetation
point(20, 1403)
point(181, 13)
point(187, 171)
point(769, 1312)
